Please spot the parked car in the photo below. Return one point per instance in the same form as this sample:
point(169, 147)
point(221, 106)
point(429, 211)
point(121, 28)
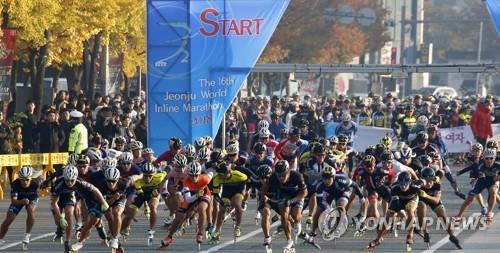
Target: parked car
point(436, 91)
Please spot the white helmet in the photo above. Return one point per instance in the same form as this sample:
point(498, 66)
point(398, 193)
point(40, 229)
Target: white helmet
point(190, 151)
point(26, 172)
point(70, 172)
point(114, 153)
point(134, 145)
point(148, 168)
point(194, 168)
point(264, 133)
point(263, 124)
point(180, 160)
point(112, 173)
point(94, 154)
point(203, 154)
point(345, 116)
point(108, 162)
point(200, 142)
point(126, 157)
point(147, 151)
point(73, 158)
point(490, 153)
point(422, 120)
point(232, 149)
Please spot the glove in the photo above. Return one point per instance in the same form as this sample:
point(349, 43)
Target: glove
point(63, 223)
point(104, 207)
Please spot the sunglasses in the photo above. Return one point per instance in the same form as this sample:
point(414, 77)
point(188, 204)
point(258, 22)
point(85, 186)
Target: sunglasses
point(489, 158)
point(24, 179)
point(232, 154)
point(70, 181)
point(126, 163)
point(194, 176)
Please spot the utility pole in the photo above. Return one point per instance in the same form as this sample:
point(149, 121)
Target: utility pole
point(401, 82)
point(479, 88)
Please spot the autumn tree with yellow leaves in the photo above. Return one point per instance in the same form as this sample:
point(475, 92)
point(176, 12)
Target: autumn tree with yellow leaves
point(70, 34)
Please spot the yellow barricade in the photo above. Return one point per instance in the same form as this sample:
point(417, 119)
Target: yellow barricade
point(47, 160)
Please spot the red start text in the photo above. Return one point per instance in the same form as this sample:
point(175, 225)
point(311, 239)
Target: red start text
point(228, 27)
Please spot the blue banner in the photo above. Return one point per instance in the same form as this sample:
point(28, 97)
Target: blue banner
point(199, 54)
point(494, 10)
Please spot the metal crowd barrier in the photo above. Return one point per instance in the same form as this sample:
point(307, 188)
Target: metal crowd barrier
point(46, 160)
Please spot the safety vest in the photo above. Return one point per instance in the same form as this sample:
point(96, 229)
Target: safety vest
point(78, 139)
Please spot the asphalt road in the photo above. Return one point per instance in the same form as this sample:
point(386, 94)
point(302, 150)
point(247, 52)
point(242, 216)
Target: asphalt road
point(250, 242)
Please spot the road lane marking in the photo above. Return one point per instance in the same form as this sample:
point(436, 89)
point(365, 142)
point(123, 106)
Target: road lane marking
point(10, 245)
point(247, 236)
point(445, 240)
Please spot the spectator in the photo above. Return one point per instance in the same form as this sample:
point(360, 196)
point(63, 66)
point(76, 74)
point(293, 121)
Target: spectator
point(5, 135)
point(16, 141)
point(66, 126)
point(51, 133)
point(29, 128)
point(126, 129)
point(106, 125)
point(141, 130)
point(481, 121)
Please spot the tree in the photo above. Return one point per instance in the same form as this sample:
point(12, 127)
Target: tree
point(33, 36)
point(304, 35)
point(459, 36)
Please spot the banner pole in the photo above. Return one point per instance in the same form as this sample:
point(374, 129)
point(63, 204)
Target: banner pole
point(224, 131)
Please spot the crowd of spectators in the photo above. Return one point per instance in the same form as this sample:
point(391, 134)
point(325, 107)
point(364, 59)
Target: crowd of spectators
point(102, 119)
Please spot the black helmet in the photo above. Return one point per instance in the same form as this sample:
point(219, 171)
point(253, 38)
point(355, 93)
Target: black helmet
point(492, 144)
point(294, 132)
point(325, 142)
point(216, 155)
point(380, 148)
point(222, 168)
point(328, 172)
point(425, 160)
point(259, 147)
point(369, 160)
point(343, 138)
point(370, 150)
point(387, 156)
point(264, 171)
point(422, 137)
point(281, 167)
point(175, 143)
point(427, 173)
point(404, 178)
point(318, 149)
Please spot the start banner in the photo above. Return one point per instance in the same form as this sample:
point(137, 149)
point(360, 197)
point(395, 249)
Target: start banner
point(199, 53)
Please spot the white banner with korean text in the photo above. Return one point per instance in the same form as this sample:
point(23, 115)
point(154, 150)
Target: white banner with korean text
point(455, 138)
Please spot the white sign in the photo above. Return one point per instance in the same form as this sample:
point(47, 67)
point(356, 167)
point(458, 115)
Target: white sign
point(455, 138)
point(367, 136)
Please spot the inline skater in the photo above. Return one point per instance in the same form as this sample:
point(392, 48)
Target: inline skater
point(284, 193)
point(23, 193)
